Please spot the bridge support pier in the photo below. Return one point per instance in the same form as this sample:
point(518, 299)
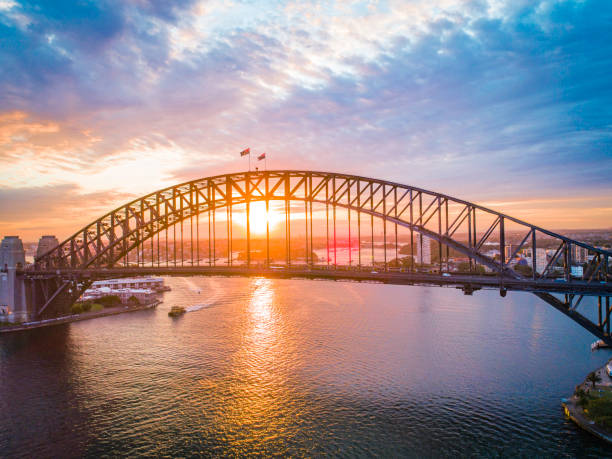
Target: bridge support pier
point(27, 296)
point(13, 301)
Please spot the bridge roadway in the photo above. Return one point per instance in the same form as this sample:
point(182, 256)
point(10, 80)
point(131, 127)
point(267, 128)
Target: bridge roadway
point(466, 282)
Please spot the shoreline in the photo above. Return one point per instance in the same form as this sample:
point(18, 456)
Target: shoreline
point(78, 317)
point(575, 412)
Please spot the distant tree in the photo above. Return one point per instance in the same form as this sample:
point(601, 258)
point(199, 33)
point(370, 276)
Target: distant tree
point(593, 378)
point(523, 269)
point(395, 263)
point(109, 300)
point(76, 308)
point(407, 262)
point(583, 398)
point(133, 301)
point(406, 250)
point(464, 267)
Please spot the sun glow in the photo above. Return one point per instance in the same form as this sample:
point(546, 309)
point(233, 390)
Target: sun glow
point(260, 218)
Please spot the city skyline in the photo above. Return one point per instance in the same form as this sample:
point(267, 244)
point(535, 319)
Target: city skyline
point(506, 104)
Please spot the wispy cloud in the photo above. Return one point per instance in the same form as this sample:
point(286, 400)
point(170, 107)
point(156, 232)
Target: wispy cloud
point(481, 99)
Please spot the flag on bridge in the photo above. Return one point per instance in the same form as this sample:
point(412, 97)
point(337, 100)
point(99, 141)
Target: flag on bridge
point(245, 152)
point(262, 156)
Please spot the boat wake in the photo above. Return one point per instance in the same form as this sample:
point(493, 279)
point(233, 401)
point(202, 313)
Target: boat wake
point(192, 286)
point(197, 307)
point(211, 296)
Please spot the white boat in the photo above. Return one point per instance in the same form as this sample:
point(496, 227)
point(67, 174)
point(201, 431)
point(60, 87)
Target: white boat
point(609, 368)
point(599, 344)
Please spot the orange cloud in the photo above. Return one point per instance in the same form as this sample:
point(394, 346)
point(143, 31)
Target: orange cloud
point(15, 127)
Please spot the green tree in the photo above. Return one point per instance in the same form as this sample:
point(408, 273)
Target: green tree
point(76, 308)
point(593, 378)
point(583, 399)
point(133, 301)
point(109, 300)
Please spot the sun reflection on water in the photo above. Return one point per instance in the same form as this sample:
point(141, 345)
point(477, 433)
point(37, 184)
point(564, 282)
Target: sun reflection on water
point(259, 383)
point(263, 320)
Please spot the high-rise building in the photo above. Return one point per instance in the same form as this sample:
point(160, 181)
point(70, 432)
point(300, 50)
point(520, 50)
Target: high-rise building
point(423, 251)
point(579, 254)
point(541, 260)
point(540, 256)
point(508, 251)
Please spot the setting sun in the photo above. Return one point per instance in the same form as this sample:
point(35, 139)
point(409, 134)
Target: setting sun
point(259, 218)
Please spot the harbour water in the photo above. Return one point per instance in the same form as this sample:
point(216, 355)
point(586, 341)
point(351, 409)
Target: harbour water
point(302, 368)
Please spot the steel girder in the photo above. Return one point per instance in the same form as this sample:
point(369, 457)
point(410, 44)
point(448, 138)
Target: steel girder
point(470, 229)
point(106, 240)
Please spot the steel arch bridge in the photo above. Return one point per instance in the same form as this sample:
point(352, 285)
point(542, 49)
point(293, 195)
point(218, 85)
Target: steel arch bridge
point(140, 237)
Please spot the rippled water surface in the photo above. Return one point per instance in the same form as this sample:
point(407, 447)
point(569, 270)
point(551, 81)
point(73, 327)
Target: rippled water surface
point(303, 368)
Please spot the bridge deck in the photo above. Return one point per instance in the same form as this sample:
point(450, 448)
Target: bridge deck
point(464, 281)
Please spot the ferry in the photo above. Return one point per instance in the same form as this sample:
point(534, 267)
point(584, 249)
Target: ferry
point(176, 311)
point(599, 344)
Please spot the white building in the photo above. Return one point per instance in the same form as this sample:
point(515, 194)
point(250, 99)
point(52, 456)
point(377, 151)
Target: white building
point(153, 283)
point(143, 295)
point(509, 251)
point(423, 252)
point(579, 254)
point(143, 288)
point(541, 258)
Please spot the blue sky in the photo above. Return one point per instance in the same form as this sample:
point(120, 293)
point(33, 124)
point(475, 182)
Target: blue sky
point(508, 104)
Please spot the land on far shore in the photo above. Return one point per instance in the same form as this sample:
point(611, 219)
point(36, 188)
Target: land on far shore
point(590, 407)
point(110, 311)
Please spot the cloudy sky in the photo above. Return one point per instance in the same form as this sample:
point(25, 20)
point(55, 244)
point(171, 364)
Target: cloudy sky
point(505, 103)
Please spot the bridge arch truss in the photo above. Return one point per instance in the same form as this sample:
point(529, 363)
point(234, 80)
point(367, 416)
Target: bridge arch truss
point(136, 234)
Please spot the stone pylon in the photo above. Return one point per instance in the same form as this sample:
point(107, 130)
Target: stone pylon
point(45, 244)
point(13, 302)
